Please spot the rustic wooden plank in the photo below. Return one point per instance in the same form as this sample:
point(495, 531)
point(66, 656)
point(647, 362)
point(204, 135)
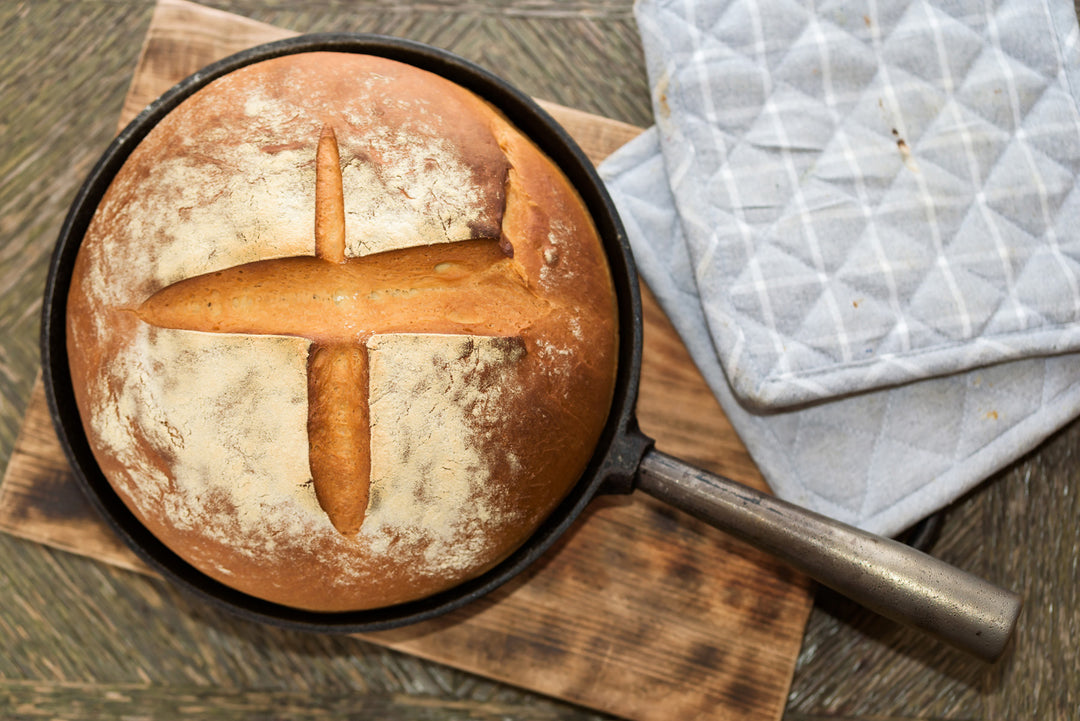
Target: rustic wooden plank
point(719, 602)
point(695, 618)
point(707, 632)
point(40, 501)
point(1018, 530)
point(66, 619)
point(48, 142)
point(1031, 536)
point(167, 58)
point(77, 702)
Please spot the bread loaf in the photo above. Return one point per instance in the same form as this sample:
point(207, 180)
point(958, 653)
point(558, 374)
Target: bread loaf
point(341, 336)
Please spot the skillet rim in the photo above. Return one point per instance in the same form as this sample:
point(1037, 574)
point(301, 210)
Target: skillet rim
point(617, 454)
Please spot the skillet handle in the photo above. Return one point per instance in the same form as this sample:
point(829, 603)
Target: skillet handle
point(883, 575)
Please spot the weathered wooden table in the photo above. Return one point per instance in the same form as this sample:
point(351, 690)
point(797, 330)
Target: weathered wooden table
point(81, 637)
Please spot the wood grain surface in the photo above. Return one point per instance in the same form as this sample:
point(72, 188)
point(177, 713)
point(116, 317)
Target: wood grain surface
point(84, 639)
point(634, 603)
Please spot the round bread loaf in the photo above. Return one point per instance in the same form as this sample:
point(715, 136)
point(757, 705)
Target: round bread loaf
point(341, 336)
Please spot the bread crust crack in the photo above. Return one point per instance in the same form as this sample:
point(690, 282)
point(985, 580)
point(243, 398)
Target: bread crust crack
point(336, 302)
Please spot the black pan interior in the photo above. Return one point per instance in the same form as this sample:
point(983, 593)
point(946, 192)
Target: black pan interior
point(616, 456)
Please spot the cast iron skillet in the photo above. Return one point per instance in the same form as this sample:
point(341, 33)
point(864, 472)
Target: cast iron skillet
point(884, 575)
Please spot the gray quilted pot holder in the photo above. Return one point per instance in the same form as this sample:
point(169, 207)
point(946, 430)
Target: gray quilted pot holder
point(863, 219)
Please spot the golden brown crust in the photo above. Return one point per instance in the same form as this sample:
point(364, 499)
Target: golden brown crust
point(488, 377)
point(338, 432)
point(329, 200)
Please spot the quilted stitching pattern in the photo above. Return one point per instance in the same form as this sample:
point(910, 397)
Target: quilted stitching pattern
point(880, 459)
point(871, 193)
point(824, 261)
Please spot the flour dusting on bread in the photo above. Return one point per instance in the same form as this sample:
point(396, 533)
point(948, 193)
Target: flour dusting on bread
point(477, 430)
point(430, 483)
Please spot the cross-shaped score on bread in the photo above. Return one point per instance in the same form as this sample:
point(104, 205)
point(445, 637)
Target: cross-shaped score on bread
point(338, 302)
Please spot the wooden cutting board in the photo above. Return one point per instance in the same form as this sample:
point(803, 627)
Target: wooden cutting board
point(639, 611)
